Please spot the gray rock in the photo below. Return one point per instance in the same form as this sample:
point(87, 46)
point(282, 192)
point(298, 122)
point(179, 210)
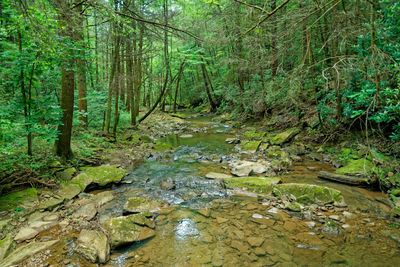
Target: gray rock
point(232, 141)
point(50, 204)
point(347, 215)
point(103, 197)
point(138, 204)
point(310, 224)
point(6, 246)
point(25, 234)
point(25, 252)
point(94, 246)
point(87, 211)
point(334, 217)
point(40, 226)
point(331, 227)
point(50, 218)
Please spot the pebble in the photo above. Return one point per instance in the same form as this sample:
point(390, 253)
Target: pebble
point(257, 216)
point(334, 217)
point(346, 226)
point(273, 210)
point(347, 215)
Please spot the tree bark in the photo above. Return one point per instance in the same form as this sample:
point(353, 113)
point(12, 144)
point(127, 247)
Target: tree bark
point(177, 83)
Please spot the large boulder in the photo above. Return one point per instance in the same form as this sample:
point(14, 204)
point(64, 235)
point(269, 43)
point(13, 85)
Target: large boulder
point(128, 229)
point(25, 252)
point(105, 174)
point(138, 205)
point(243, 168)
point(254, 184)
point(94, 246)
point(309, 194)
point(253, 135)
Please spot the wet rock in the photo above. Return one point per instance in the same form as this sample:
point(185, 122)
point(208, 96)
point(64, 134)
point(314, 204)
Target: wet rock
point(6, 246)
point(239, 246)
point(50, 218)
point(250, 146)
point(87, 211)
point(25, 252)
point(348, 215)
point(205, 212)
point(215, 175)
point(255, 241)
point(254, 184)
point(94, 246)
point(332, 228)
point(346, 226)
point(25, 234)
point(128, 229)
point(232, 141)
point(138, 204)
point(168, 184)
point(309, 194)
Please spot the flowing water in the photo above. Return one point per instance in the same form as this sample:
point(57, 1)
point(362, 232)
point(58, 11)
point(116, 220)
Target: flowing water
point(209, 226)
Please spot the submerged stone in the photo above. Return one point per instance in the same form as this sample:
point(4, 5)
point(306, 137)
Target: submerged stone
point(128, 229)
point(309, 194)
point(94, 246)
point(138, 204)
point(25, 252)
point(23, 199)
point(254, 184)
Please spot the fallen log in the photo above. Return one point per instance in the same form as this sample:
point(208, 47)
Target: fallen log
point(345, 179)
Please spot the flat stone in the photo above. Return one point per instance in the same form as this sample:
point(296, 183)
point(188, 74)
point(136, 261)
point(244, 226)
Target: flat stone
point(25, 252)
point(255, 241)
point(138, 204)
point(239, 246)
point(69, 191)
point(346, 226)
point(40, 226)
point(334, 217)
point(50, 218)
point(206, 212)
point(87, 211)
point(94, 246)
point(348, 215)
point(221, 220)
point(273, 210)
point(216, 175)
point(6, 246)
point(25, 234)
point(3, 224)
point(259, 252)
point(186, 136)
point(102, 198)
point(50, 204)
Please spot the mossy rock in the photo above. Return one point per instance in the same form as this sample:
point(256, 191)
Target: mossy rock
point(395, 179)
point(66, 174)
point(277, 155)
point(19, 199)
point(396, 210)
point(6, 246)
point(69, 190)
point(160, 146)
point(293, 206)
point(309, 194)
point(283, 137)
point(82, 180)
point(253, 135)
point(254, 184)
point(395, 192)
point(250, 146)
point(105, 174)
point(180, 116)
point(128, 229)
point(361, 167)
point(146, 139)
point(138, 205)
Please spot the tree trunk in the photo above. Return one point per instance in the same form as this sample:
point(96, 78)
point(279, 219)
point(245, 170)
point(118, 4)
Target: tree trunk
point(63, 143)
point(206, 85)
point(177, 83)
point(81, 72)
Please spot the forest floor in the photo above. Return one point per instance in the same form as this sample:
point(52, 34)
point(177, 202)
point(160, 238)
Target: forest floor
point(259, 150)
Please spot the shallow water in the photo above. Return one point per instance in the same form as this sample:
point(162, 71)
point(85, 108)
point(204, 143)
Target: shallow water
point(209, 226)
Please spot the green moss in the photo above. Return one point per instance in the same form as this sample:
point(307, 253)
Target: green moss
point(145, 139)
point(17, 199)
point(357, 167)
point(138, 204)
point(277, 155)
point(105, 174)
point(251, 146)
point(293, 206)
point(162, 146)
point(253, 135)
point(83, 180)
point(254, 184)
point(283, 137)
point(309, 194)
point(180, 116)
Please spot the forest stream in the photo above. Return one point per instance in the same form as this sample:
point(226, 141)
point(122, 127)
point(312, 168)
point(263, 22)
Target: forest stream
point(208, 225)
